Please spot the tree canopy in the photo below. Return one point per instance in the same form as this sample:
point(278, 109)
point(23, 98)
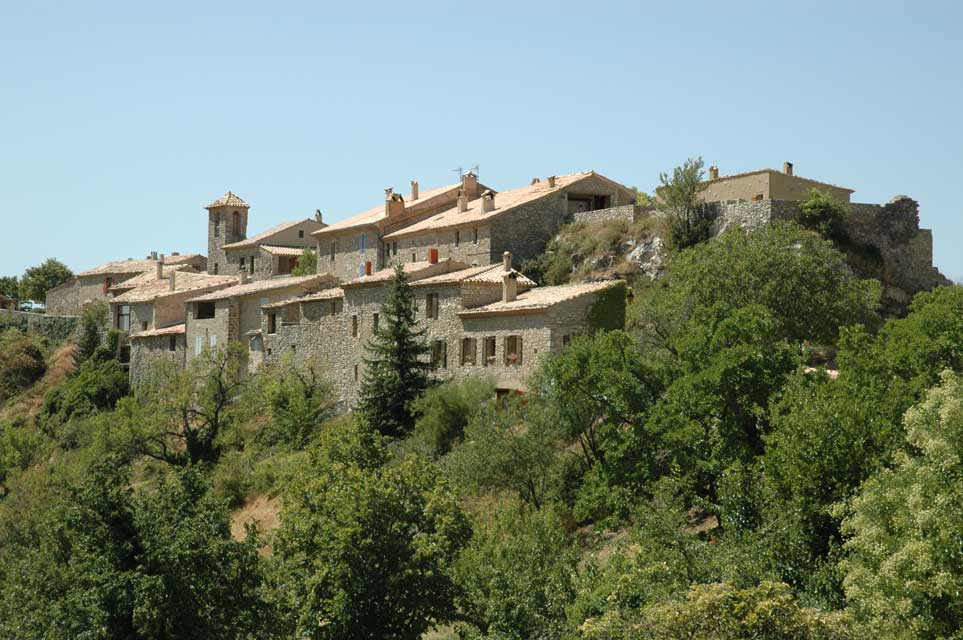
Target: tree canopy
point(37, 281)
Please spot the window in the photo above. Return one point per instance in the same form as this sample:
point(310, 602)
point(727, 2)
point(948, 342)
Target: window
point(292, 314)
point(374, 322)
point(489, 347)
point(272, 323)
point(513, 350)
point(300, 233)
point(354, 326)
point(394, 248)
point(468, 346)
point(361, 242)
point(217, 225)
point(123, 317)
point(236, 222)
point(474, 236)
point(566, 339)
point(213, 340)
point(457, 238)
point(143, 325)
point(198, 345)
point(414, 258)
point(172, 343)
point(439, 354)
point(355, 373)
point(333, 250)
point(204, 311)
point(108, 283)
point(431, 305)
point(243, 263)
point(252, 265)
point(360, 270)
point(215, 268)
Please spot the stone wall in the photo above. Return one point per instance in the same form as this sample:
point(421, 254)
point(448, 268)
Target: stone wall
point(464, 247)
point(144, 352)
point(64, 300)
point(627, 213)
point(56, 328)
point(348, 256)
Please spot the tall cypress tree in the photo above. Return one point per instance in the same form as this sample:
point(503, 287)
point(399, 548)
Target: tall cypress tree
point(397, 368)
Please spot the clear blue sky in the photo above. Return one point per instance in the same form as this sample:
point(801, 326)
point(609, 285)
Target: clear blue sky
point(119, 121)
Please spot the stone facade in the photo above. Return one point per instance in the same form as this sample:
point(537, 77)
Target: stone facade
point(146, 351)
point(64, 300)
point(768, 184)
point(626, 213)
point(226, 224)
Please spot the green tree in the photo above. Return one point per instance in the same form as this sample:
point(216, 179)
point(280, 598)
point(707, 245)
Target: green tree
point(396, 367)
point(512, 448)
point(37, 281)
point(904, 563)
point(446, 409)
point(109, 563)
point(365, 548)
point(517, 575)
point(824, 215)
point(689, 219)
point(800, 278)
point(22, 362)
point(307, 264)
point(94, 388)
point(9, 286)
point(93, 320)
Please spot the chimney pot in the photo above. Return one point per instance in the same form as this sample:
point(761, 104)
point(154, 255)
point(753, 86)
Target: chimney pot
point(509, 281)
point(175, 253)
point(160, 270)
point(433, 255)
point(488, 200)
point(153, 255)
point(507, 260)
point(172, 278)
point(462, 203)
point(242, 277)
point(551, 182)
point(536, 180)
point(414, 189)
point(317, 216)
point(713, 172)
point(394, 203)
point(787, 168)
point(469, 185)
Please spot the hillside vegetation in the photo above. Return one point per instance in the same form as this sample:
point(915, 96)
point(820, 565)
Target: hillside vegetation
point(697, 474)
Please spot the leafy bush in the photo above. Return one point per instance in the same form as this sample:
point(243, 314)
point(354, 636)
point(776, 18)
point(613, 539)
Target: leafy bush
point(445, 410)
point(688, 219)
point(825, 215)
point(95, 387)
point(22, 362)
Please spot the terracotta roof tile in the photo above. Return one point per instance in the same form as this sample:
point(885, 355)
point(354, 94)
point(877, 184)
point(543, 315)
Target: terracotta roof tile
point(173, 330)
point(120, 267)
point(415, 270)
point(488, 274)
point(324, 294)
point(147, 277)
point(184, 281)
point(229, 199)
point(539, 299)
point(283, 251)
point(260, 286)
point(181, 259)
point(262, 237)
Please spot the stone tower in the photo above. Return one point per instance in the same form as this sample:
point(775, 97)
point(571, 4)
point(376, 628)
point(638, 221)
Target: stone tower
point(226, 223)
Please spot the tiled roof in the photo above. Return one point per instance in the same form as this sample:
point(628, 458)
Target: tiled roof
point(488, 274)
point(538, 299)
point(120, 267)
point(758, 171)
point(376, 214)
point(184, 281)
point(150, 276)
point(283, 251)
point(181, 259)
point(324, 294)
point(414, 270)
point(273, 231)
point(229, 199)
point(173, 330)
point(504, 201)
point(260, 286)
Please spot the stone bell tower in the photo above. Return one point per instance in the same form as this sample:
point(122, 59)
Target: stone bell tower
point(226, 223)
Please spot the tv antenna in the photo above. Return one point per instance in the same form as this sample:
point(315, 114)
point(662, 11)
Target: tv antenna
point(461, 172)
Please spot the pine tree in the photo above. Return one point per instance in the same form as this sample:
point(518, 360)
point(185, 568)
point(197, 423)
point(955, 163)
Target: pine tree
point(396, 369)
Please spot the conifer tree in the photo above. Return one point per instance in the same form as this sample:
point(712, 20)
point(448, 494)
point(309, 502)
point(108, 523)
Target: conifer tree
point(396, 369)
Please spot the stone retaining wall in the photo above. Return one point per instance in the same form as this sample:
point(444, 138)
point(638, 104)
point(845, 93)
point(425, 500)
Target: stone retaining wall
point(628, 213)
point(56, 328)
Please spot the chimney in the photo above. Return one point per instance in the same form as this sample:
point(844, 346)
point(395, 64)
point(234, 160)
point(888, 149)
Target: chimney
point(787, 168)
point(713, 172)
point(462, 203)
point(433, 255)
point(153, 255)
point(509, 282)
point(318, 217)
point(469, 185)
point(551, 182)
point(173, 280)
point(488, 201)
point(175, 253)
point(242, 277)
point(160, 270)
point(394, 203)
point(536, 180)
point(414, 189)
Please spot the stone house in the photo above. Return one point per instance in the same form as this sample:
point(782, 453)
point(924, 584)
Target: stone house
point(233, 314)
point(270, 253)
point(767, 184)
point(97, 284)
point(485, 320)
point(354, 246)
point(522, 221)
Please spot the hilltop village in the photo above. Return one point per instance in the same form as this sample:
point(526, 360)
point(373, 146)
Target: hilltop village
point(459, 245)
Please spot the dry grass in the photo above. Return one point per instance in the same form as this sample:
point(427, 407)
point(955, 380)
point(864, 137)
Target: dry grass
point(261, 509)
point(59, 364)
